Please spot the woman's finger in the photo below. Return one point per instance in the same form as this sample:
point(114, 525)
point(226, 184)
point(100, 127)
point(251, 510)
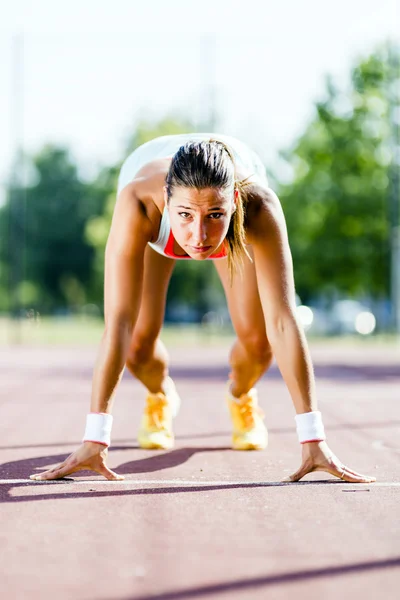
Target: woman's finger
point(65, 468)
point(57, 467)
point(304, 469)
point(53, 473)
point(353, 477)
point(348, 470)
point(42, 476)
point(51, 470)
point(111, 475)
point(345, 474)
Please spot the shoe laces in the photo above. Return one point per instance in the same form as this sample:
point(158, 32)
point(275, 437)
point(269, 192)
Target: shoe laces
point(157, 410)
point(247, 410)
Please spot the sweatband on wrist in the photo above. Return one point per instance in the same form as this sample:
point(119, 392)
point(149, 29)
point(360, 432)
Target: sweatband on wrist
point(98, 428)
point(310, 427)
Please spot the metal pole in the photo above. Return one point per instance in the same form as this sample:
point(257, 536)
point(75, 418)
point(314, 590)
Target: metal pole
point(394, 185)
point(209, 61)
point(16, 194)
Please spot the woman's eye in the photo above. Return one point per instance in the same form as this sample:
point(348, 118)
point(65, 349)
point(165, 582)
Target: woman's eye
point(186, 215)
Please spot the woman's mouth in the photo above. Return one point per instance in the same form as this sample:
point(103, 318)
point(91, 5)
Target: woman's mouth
point(199, 250)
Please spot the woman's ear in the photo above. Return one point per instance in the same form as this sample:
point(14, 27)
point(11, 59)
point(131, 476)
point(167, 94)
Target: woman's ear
point(235, 199)
point(165, 195)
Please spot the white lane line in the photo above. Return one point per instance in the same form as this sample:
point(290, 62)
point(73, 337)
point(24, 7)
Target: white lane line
point(189, 482)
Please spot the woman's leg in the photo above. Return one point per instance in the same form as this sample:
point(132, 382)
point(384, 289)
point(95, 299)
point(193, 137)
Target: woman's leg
point(148, 357)
point(251, 354)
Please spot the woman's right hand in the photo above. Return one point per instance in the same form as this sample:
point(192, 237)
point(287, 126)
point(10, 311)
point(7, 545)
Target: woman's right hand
point(88, 457)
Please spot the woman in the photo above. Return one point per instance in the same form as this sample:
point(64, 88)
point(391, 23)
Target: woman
point(200, 196)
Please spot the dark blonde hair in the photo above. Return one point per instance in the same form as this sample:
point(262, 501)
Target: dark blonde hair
point(211, 164)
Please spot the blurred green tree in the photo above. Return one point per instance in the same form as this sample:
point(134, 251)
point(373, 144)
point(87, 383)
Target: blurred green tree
point(337, 203)
point(45, 261)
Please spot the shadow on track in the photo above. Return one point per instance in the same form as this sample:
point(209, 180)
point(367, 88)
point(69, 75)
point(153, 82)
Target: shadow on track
point(21, 469)
point(148, 491)
point(259, 582)
point(337, 371)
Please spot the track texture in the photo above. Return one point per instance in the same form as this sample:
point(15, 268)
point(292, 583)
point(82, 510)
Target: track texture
point(199, 521)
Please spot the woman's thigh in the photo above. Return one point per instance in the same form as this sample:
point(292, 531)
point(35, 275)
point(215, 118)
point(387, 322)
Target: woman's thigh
point(244, 302)
point(157, 273)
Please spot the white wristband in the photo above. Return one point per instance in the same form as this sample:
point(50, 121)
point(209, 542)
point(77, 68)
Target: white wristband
point(310, 427)
point(98, 428)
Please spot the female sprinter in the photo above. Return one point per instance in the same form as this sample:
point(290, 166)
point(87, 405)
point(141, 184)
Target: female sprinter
point(200, 196)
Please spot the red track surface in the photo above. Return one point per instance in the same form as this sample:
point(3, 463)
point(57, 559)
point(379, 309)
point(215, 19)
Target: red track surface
point(200, 521)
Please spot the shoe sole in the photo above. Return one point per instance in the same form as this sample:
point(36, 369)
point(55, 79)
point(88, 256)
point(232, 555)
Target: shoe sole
point(242, 445)
point(249, 447)
point(154, 446)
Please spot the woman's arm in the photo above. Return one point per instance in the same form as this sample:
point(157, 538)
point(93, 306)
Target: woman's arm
point(124, 258)
point(130, 231)
point(273, 262)
point(266, 231)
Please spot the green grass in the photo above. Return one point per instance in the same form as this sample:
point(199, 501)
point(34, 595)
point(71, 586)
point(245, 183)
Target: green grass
point(84, 330)
point(48, 330)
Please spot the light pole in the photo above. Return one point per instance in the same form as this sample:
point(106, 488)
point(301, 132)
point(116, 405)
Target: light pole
point(17, 193)
point(209, 62)
point(394, 185)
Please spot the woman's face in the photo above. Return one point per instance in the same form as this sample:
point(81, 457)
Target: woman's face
point(200, 219)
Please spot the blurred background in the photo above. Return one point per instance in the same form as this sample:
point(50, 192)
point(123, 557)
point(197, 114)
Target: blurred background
point(315, 92)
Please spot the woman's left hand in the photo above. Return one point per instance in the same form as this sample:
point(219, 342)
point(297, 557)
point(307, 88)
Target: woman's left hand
point(316, 456)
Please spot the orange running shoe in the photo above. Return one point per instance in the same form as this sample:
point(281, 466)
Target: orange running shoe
point(155, 430)
point(249, 431)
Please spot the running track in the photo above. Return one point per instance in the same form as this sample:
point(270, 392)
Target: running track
point(200, 521)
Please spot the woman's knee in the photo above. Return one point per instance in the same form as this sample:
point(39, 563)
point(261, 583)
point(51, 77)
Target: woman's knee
point(141, 350)
point(257, 346)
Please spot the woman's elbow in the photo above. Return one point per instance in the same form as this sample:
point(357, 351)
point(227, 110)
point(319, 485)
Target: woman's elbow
point(279, 323)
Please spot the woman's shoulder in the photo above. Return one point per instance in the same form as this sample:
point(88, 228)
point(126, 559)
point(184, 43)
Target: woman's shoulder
point(146, 192)
point(263, 208)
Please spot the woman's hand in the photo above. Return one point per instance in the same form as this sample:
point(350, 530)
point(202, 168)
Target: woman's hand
point(316, 456)
point(88, 457)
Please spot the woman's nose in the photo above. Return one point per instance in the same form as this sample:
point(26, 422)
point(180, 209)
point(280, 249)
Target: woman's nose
point(199, 232)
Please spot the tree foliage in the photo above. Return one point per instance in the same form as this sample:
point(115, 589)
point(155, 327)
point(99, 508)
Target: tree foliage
point(54, 229)
point(48, 262)
point(337, 204)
